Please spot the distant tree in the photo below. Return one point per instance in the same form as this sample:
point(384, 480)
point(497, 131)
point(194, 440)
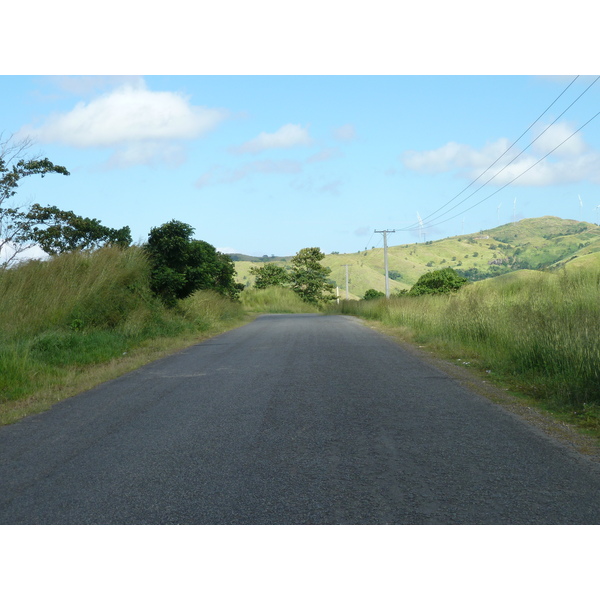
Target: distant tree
point(181, 265)
point(13, 168)
point(309, 277)
point(371, 294)
point(269, 275)
point(443, 281)
point(57, 231)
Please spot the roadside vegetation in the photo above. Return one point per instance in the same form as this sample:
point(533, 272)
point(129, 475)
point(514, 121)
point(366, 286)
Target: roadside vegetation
point(536, 333)
point(275, 299)
point(83, 317)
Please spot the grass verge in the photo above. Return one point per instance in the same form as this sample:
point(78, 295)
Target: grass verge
point(77, 320)
point(538, 337)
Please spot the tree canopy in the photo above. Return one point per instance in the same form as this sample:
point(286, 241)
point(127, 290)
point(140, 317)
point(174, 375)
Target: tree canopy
point(309, 277)
point(57, 231)
point(13, 168)
point(182, 265)
point(269, 275)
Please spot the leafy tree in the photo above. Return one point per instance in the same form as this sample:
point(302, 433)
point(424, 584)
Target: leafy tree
point(269, 275)
point(309, 277)
point(443, 281)
point(371, 294)
point(14, 168)
point(181, 265)
point(57, 231)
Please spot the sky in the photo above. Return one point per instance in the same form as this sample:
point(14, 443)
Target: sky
point(272, 164)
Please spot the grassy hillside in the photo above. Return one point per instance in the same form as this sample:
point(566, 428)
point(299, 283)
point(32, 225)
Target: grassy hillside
point(531, 244)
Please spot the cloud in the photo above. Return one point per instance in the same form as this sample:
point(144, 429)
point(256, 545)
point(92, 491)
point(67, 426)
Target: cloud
point(333, 187)
point(219, 175)
point(573, 161)
point(323, 155)
point(345, 133)
point(147, 153)
point(139, 123)
point(557, 133)
point(85, 85)
point(308, 185)
point(362, 231)
point(287, 136)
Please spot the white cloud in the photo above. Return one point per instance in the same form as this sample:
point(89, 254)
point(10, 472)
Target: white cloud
point(453, 156)
point(287, 136)
point(345, 133)
point(573, 161)
point(138, 122)
point(312, 185)
point(332, 187)
point(219, 175)
point(323, 155)
point(362, 231)
point(85, 85)
point(557, 133)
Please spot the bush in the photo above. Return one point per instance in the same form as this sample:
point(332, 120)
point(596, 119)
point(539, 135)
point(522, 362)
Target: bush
point(181, 265)
point(443, 281)
point(372, 294)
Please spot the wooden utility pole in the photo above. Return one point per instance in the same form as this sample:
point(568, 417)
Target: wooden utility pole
point(385, 259)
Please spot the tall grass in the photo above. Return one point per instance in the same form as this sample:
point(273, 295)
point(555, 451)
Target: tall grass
point(274, 300)
point(62, 316)
point(542, 330)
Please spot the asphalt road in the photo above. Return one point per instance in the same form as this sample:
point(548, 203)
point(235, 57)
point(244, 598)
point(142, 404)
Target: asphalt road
point(292, 419)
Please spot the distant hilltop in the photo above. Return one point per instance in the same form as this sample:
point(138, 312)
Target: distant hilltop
point(264, 258)
point(534, 244)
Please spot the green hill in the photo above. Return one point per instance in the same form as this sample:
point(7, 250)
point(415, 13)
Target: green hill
point(533, 244)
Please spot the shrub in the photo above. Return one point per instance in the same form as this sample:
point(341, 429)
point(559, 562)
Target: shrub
point(371, 294)
point(442, 281)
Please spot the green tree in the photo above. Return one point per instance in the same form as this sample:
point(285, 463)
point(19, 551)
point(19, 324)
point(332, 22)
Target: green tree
point(443, 281)
point(269, 275)
point(309, 277)
point(372, 294)
point(13, 168)
point(182, 265)
point(57, 231)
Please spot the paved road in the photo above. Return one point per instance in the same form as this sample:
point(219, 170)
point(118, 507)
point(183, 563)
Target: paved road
point(301, 419)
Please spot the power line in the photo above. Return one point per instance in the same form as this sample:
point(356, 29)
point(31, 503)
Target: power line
point(520, 153)
point(520, 175)
point(425, 222)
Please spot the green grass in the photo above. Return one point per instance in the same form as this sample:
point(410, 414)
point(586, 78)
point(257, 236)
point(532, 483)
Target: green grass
point(71, 322)
point(274, 300)
point(540, 332)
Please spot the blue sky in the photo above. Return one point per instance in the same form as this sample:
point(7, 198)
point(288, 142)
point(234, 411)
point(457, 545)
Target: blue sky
point(272, 164)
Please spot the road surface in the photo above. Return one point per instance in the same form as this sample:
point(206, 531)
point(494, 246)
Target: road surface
point(292, 419)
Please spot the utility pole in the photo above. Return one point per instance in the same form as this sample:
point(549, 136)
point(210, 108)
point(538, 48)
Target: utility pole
point(385, 259)
point(347, 290)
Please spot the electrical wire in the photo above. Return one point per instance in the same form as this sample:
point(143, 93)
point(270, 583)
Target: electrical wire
point(518, 176)
point(426, 223)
